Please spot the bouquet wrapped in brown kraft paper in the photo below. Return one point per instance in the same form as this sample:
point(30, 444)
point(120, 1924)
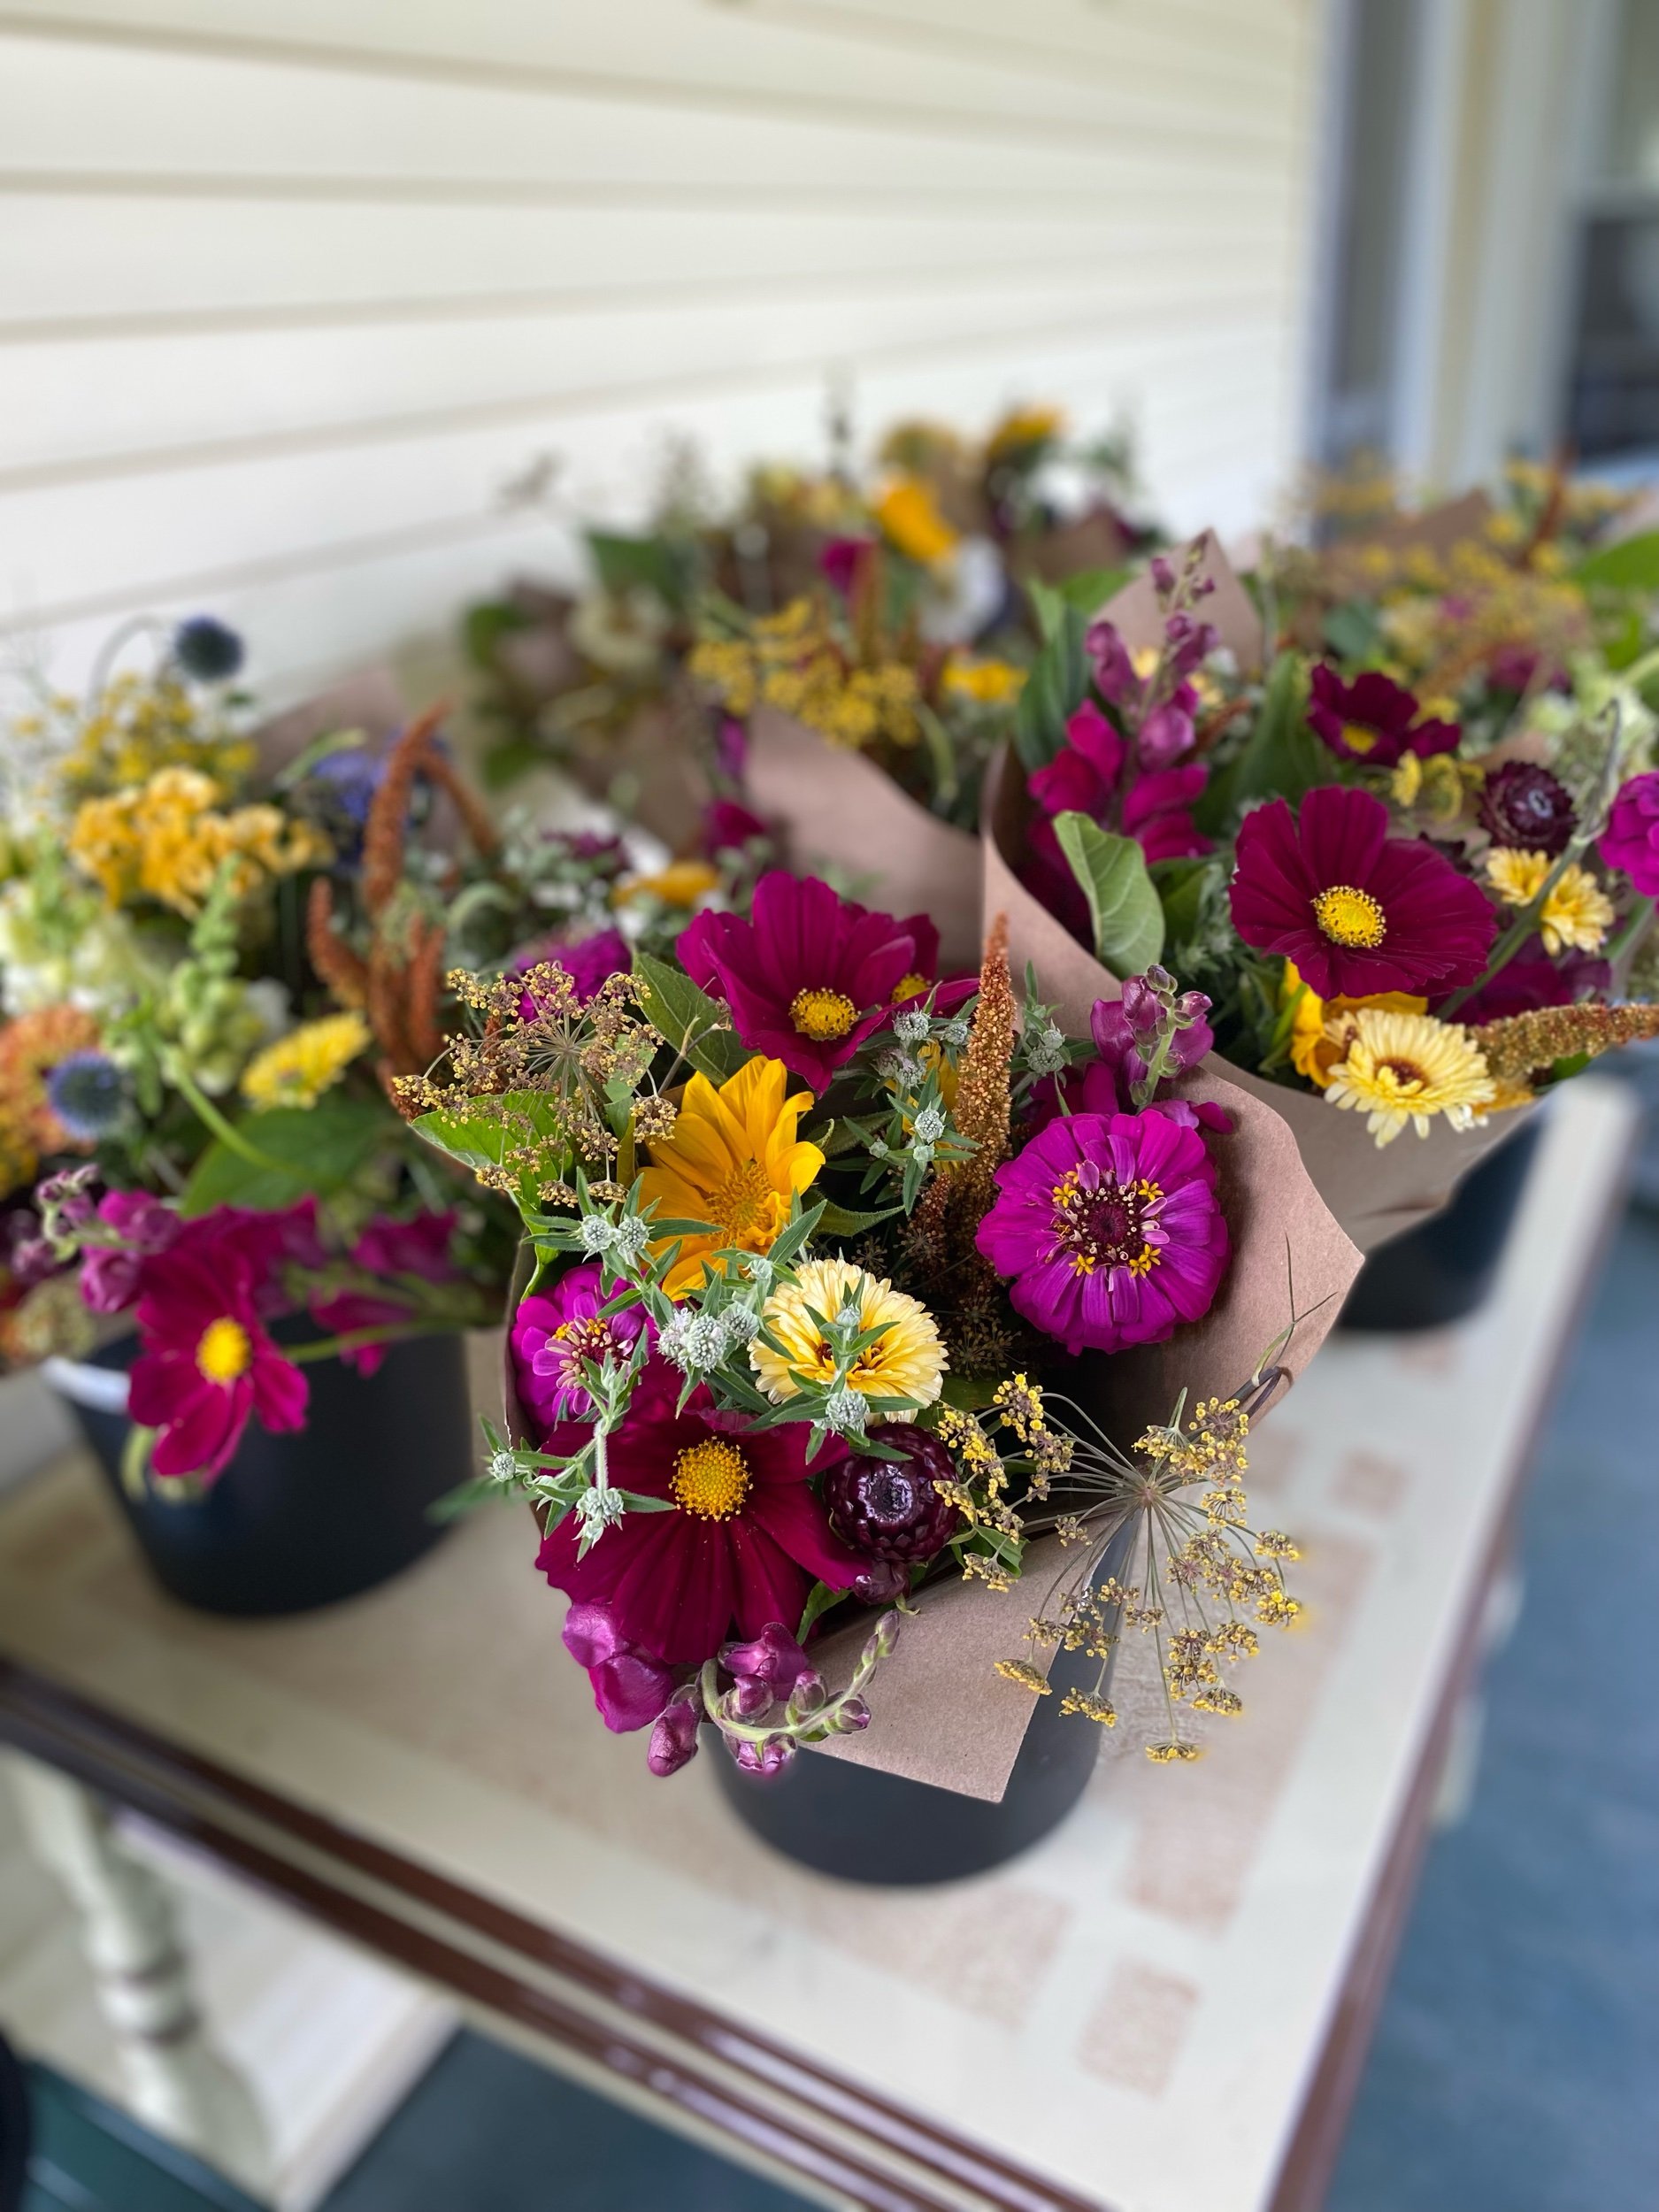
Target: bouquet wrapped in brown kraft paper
point(882, 1330)
point(1406, 844)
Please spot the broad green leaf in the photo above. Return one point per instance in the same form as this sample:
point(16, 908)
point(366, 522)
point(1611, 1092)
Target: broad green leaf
point(1281, 758)
point(1181, 888)
point(315, 1149)
point(839, 1221)
point(1630, 565)
point(688, 1018)
point(1053, 692)
point(1352, 631)
point(632, 564)
point(1091, 587)
point(1124, 909)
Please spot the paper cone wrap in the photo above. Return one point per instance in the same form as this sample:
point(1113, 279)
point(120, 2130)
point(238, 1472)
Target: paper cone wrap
point(835, 809)
point(371, 701)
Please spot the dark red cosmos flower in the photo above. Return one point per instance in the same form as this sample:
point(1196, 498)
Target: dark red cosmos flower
point(207, 1364)
point(1533, 980)
point(809, 975)
point(741, 1543)
point(1374, 719)
point(1358, 911)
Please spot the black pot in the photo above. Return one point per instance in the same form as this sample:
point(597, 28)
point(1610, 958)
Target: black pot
point(300, 1521)
point(1444, 1270)
point(866, 1826)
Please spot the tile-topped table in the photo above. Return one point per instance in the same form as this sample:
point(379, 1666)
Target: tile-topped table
point(1163, 2006)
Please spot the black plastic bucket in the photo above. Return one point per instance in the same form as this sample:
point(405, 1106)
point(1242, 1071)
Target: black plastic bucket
point(301, 1521)
point(1443, 1270)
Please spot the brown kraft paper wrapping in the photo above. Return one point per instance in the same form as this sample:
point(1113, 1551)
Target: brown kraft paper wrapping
point(370, 700)
point(837, 809)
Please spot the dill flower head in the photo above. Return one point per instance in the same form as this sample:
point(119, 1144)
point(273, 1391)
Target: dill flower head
point(1578, 913)
point(909, 520)
point(907, 1359)
point(1402, 1068)
point(734, 1160)
point(297, 1069)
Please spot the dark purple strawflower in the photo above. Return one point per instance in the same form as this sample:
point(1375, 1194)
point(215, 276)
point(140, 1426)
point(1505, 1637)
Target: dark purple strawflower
point(892, 1509)
point(1631, 841)
point(1107, 1229)
point(1373, 719)
point(630, 1687)
point(554, 1331)
point(674, 1739)
point(1524, 806)
point(772, 1659)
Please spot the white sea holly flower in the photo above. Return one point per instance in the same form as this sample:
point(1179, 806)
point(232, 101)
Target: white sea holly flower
point(501, 1466)
point(600, 1509)
point(633, 1235)
point(956, 1035)
point(707, 1340)
point(743, 1324)
point(911, 1028)
point(929, 1125)
point(597, 1233)
point(672, 1338)
point(844, 1411)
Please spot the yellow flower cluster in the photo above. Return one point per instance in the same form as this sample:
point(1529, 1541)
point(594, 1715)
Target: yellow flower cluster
point(167, 838)
point(790, 661)
point(984, 683)
point(1576, 914)
point(909, 520)
point(138, 724)
point(297, 1069)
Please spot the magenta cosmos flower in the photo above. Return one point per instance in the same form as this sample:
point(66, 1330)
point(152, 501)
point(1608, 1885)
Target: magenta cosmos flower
point(1107, 1230)
point(741, 1543)
point(207, 1365)
point(1631, 841)
point(1358, 911)
point(553, 1333)
point(1374, 719)
point(809, 975)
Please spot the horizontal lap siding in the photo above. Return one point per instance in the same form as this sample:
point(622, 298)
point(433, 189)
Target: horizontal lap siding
point(293, 295)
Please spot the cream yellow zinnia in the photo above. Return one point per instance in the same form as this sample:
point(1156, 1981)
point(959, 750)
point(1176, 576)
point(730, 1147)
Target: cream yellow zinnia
point(734, 1160)
point(682, 883)
point(906, 1361)
point(1577, 912)
point(297, 1069)
point(1403, 1068)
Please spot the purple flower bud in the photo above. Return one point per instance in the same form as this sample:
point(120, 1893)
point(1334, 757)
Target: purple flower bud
point(772, 1657)
point(1163, 574)
point(1142, 1007)
point(769, 1757)
point(750, 1697)
point(851, 1716)
point(674, 1739)
point(881, 1580)
point(32, 1261)
point(1191, 642)
point(1164, 736)
point(1115, 675)
point(807, 1694)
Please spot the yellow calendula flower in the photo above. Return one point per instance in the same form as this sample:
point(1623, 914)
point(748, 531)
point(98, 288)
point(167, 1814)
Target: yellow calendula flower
point(909, 520)
point(906, 1361)
point(734, 1160)
point(1318, 1036)
point(1578, 913)
point(297, 1069)
point(166, 840)
point(1402, 1068)
point(682, 883)
point(1024, 426)
point(984, 682)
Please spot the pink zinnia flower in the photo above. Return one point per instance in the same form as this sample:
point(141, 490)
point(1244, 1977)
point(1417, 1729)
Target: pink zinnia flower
point(207, 1364)
point(1631, 841)
point(1374, 719)
point(741, 1543)
point(1107, 1230)
point(809, 975)
point(1359, 912)
point(554, 1332)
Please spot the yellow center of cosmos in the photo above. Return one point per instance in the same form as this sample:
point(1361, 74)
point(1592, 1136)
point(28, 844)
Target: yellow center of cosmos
point(824, 1016)
point(223, 1352)
point(1357, 738)
point(910, 986)
point(1350, 918)
point(710, 1479)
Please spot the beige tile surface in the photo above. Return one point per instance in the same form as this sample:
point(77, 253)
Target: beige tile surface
point(1134, 2009)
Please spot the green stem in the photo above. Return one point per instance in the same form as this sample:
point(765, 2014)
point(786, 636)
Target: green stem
point(226, 1132)
point(1635, 929)
point(353, 1340)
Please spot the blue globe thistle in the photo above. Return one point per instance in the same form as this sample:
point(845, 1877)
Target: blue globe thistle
point(87, 1093)
point(207, 650)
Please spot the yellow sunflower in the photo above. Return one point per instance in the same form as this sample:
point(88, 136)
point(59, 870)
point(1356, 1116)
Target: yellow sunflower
point(1403, 1068)
point(906, 1361)
point(734, 1160)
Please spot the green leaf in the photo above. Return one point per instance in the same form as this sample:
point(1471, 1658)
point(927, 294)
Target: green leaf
point(1053, 692)
point(316, 1148)
point(688, 1018)
point(1281, 758)
point(1124, 909)
point(1091, 587)
point(838, 1221)
point(1630, 565)
point(632, 564)
point(1180, 887)
point(484, 626)
point(1352, 631)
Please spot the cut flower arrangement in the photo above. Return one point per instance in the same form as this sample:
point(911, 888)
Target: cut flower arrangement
point(810, 1228)
point(1411, 865)
point(213, 964)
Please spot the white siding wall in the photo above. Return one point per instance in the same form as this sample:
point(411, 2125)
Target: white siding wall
point(293, 291)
